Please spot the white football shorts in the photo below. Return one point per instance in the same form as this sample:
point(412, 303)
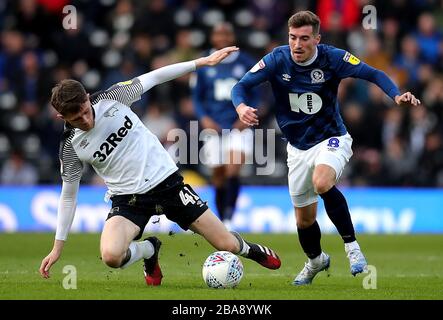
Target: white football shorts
point(334, 152)
point(216, 148)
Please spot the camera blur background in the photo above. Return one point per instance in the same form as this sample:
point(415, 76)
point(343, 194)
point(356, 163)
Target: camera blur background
point(116, 40)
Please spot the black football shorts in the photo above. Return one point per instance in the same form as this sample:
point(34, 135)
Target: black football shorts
point(176, 200)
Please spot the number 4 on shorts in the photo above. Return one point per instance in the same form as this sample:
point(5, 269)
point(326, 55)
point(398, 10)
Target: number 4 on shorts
point(187, 196)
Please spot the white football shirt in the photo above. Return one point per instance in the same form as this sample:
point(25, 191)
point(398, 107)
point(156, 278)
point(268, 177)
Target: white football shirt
point(123, 152)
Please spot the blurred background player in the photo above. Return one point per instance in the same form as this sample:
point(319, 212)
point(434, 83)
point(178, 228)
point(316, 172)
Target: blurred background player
point(305, 76)
point(211, 94)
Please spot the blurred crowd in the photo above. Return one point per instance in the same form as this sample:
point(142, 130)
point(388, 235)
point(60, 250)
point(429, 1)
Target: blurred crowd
point(116, 40)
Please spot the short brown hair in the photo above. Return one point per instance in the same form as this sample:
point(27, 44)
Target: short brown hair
point(305, 18)
point(68, 96)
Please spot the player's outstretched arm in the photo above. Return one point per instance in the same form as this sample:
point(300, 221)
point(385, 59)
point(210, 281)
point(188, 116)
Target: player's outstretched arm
point(65, 216)
point(176, 70)
point(216, 57)
point(407, 98)
point(382, 80)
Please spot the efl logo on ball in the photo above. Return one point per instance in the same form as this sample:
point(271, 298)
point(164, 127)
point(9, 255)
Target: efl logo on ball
point(222, 269)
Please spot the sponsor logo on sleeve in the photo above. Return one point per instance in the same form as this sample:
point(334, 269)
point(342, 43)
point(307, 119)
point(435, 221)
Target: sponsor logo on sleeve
point(259, 65)
point(351, 59)
point(124, 83)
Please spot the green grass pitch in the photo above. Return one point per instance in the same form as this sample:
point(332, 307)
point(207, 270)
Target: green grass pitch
point(407, 267)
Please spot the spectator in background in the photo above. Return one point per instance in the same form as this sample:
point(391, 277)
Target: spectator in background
point(72, 45)
point(212, 102)
point(368, 169)
point(433, 96)
point(269, 15)
point(408, 61)
point(358, 123)
point(159, 122)
point(180, 91)
point(17, 171)
point(140, 50)
point(32, 86)
point(335, 34)
point(3, 12)
point(429, 39)
point(183, 49)
point(13, 47)
point(430, 171)
point(33, 19)
point(347, 12)
point(390, 36)
point(421, 122)
point(375, 55)
point(156, 19)
point(375, 109)
point(399, 162)
point(127, 70)
point(393, 126)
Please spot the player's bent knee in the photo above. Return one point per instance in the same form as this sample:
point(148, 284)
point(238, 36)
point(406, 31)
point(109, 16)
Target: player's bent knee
point(111, 259)
point(322, 185)
point(305, 223)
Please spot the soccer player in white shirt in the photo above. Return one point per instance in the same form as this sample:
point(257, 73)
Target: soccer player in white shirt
point(141, 177)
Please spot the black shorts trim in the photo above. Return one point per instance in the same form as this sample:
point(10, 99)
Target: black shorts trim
point(176, 200)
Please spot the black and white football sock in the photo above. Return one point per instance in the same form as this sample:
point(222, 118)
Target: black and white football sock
point(136, 251)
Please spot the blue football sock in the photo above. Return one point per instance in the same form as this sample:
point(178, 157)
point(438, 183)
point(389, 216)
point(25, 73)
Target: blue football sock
point(310, 240)
point(220, 201)
point(232, 191)
point(338, 211)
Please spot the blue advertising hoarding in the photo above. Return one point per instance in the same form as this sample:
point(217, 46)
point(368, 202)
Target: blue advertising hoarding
point(260, 209)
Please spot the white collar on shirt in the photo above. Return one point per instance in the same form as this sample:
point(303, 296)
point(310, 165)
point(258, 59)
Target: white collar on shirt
point(308, 62)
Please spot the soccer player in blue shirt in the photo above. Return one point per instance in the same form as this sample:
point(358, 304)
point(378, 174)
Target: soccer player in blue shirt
point(211, 94)
point(305, 76)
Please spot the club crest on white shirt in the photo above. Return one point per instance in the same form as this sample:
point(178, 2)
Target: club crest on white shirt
point(110, 112)
point(317, 76)
point(84, 143)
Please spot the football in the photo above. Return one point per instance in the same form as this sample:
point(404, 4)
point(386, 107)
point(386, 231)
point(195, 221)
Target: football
point(222, 269)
